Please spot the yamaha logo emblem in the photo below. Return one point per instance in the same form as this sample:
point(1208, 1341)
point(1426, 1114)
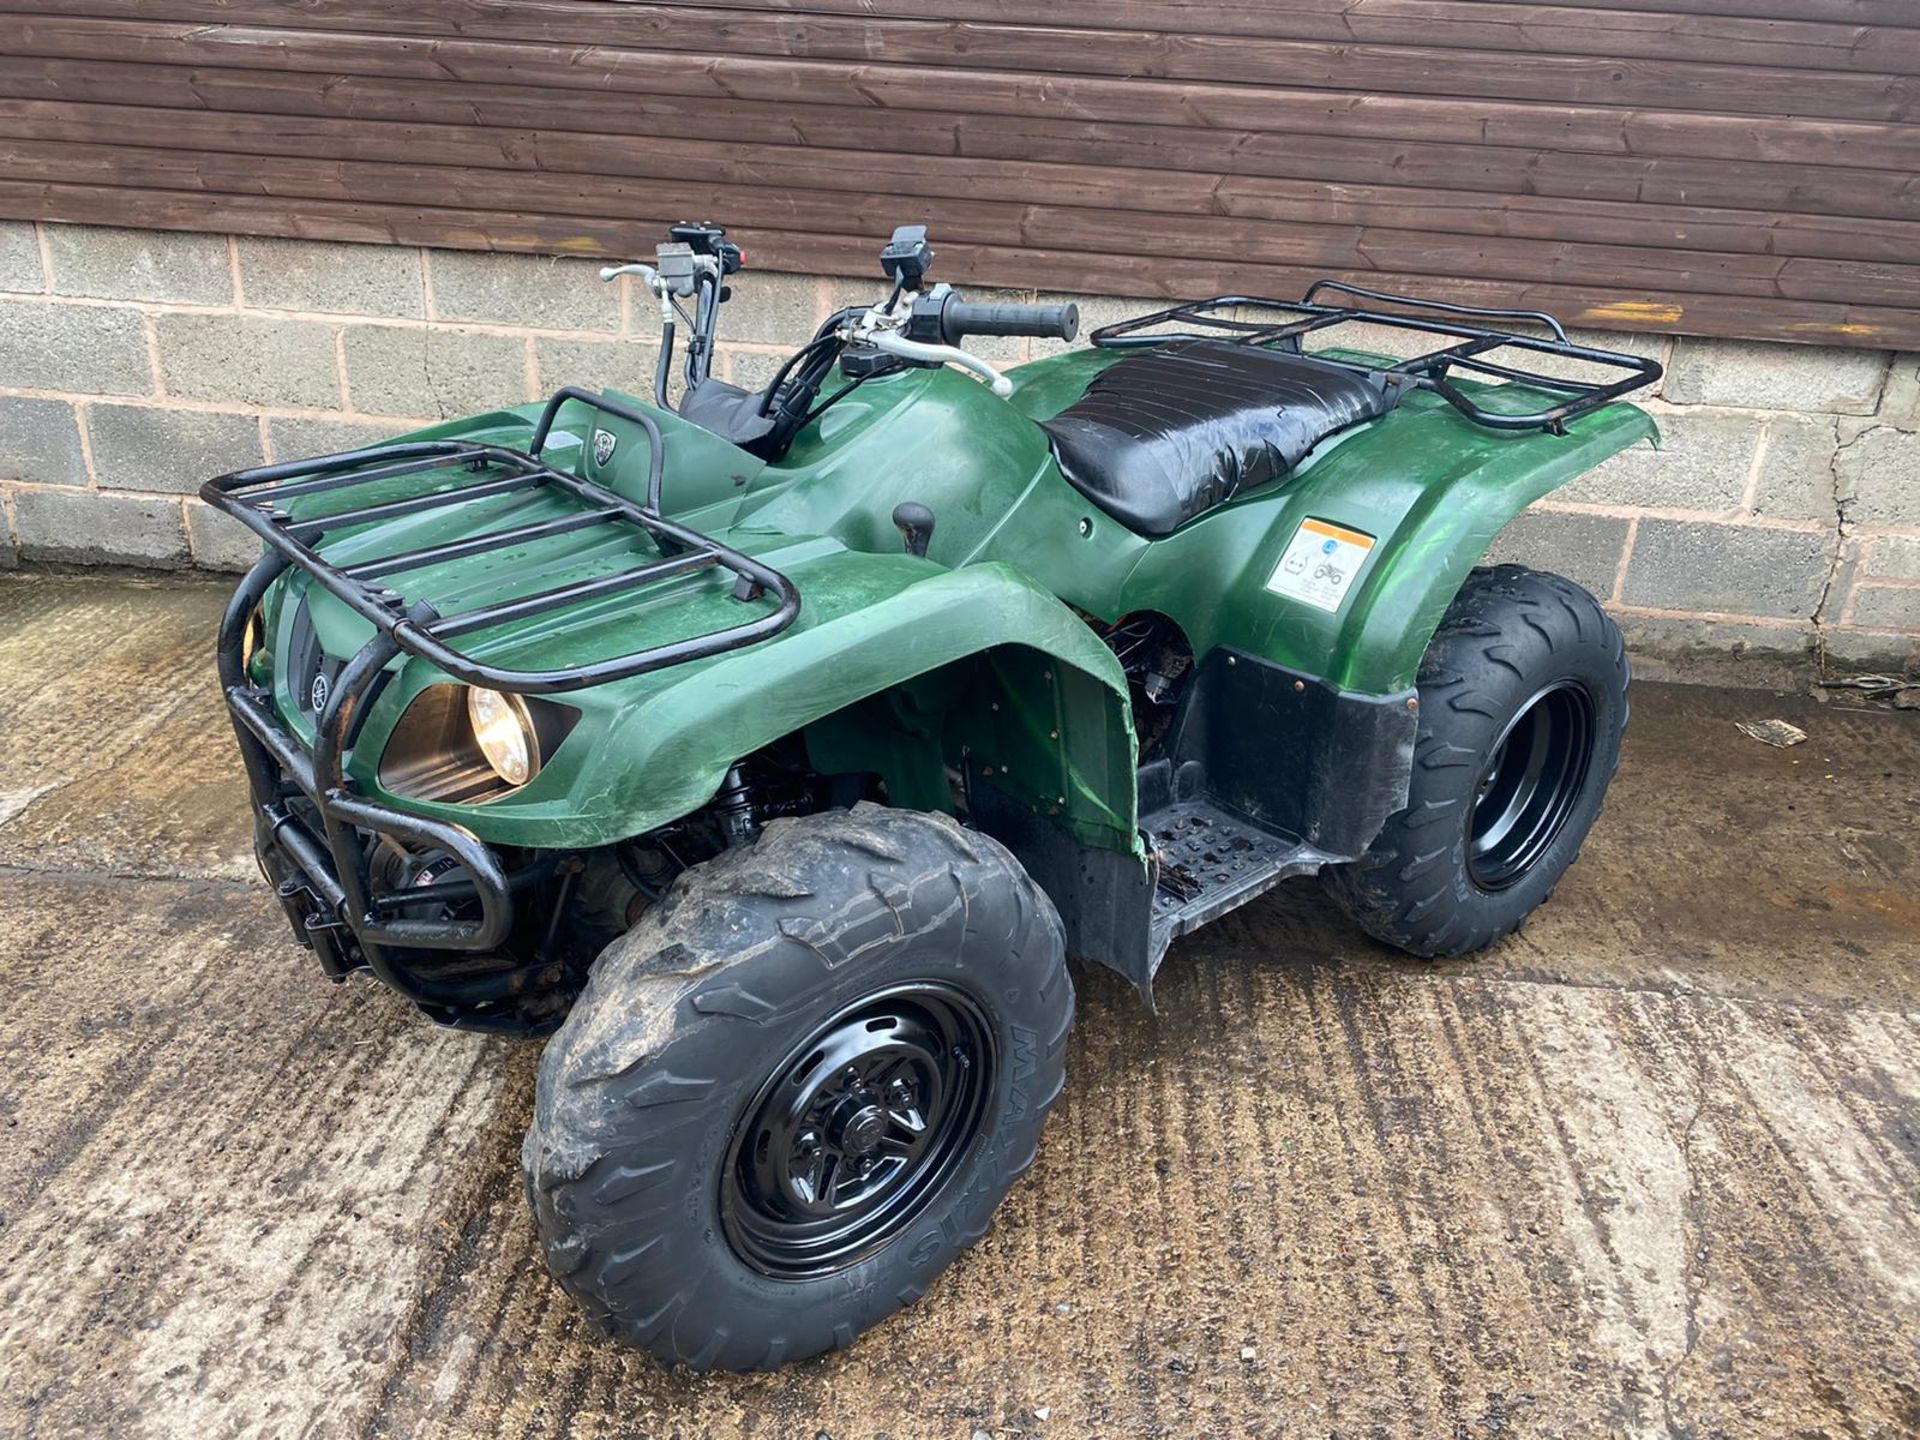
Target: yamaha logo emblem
point(603, 444)
point(318, 693)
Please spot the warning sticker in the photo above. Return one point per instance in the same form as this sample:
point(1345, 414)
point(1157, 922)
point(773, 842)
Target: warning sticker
point(1320, 564)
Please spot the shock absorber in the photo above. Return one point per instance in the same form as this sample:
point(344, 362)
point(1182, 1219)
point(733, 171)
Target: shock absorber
point(733, 807)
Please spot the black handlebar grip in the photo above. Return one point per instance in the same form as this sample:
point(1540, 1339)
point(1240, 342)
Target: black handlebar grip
point(961, 318)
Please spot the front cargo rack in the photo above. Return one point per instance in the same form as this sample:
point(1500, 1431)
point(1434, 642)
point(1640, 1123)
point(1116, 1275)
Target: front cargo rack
point(255, 498)
point(1425, 372)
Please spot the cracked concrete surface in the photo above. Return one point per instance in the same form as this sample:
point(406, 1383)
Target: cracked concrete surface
point(1648, 1169)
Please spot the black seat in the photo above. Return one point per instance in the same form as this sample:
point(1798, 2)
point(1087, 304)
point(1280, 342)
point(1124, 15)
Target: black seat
point(1162, 437)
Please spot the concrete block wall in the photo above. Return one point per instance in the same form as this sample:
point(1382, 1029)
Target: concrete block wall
point(1782, 516)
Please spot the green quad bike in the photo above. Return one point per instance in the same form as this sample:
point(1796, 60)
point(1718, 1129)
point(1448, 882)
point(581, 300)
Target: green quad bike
point(778, 750)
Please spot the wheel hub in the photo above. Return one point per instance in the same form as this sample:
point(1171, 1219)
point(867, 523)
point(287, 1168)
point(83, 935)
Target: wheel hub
point(1531, 782)
point(855, 1130)
point(861, 1132)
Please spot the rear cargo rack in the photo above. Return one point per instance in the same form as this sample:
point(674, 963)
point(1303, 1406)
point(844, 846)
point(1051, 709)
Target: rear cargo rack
point(1425, 372)
point(256, 498)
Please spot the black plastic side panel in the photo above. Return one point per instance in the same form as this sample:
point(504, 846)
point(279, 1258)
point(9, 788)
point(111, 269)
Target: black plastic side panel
point(1277, 772)
point(1292, 753)
point(1105, 898)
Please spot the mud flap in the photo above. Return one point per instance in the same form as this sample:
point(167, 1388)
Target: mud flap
point(1105, 897)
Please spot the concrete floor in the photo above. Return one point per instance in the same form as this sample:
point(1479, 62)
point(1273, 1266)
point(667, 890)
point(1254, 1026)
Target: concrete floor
point(1650, 1168)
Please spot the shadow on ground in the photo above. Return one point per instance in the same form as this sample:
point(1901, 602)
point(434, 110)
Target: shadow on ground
point(1648, 1169)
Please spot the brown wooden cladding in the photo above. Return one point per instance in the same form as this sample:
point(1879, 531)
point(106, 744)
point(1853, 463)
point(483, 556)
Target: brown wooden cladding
point(1725, 167)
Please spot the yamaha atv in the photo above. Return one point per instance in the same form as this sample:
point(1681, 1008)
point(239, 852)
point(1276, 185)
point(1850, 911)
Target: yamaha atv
point(776, 751)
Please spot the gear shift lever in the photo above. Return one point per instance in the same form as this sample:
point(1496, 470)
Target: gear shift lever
point(914, 521)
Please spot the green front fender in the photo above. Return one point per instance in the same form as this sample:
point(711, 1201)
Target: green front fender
point(651, 750)
point(1432, 489)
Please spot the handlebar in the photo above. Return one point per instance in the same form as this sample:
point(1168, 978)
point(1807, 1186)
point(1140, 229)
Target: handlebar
point(956, 319)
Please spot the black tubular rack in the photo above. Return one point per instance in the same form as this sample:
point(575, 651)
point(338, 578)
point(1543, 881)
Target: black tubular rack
point(1425, 372)
point(255, 498)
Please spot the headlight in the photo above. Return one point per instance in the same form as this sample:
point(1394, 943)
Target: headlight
point(503, 730)
point(459, 746)
point(253, 642)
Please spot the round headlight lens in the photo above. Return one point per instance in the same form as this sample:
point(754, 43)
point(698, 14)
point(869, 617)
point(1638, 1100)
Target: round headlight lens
point(253, 640)
point(503, 730)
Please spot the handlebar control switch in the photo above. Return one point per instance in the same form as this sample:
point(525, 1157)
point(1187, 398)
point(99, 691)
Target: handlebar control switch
point(926, 320)
point(706, 238)
point(907, 257)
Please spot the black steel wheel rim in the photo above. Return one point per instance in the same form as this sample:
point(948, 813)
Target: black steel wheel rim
point(856, 1130)
point(1531, 782)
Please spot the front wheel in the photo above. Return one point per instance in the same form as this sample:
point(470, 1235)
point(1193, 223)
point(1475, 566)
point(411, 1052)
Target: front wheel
point(799, 1087)
point(1523, 702)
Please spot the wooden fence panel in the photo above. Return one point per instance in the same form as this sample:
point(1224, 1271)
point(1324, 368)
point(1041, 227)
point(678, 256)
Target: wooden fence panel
point(1728, 167)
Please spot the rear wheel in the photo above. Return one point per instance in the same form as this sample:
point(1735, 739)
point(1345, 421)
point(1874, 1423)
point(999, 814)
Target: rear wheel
point(799, 1087)
point(1523, 702)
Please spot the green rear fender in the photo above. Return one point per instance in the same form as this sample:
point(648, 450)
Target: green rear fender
point(980, 663)
point(1428, 488)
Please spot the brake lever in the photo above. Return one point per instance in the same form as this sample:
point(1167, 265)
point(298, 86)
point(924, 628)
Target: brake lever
point(895, 344)
point(653, 281)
